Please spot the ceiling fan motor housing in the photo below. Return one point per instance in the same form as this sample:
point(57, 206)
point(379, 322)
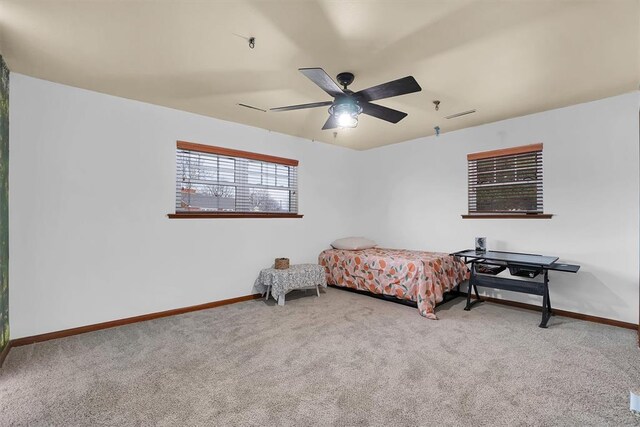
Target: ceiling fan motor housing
point(345, 79)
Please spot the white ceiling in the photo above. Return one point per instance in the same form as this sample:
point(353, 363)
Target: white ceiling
point(503, 58)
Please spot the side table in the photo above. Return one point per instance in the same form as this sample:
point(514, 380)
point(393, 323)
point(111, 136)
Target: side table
point(298, 276)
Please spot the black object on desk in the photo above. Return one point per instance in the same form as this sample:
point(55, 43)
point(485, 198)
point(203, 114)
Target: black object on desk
point(484, 266)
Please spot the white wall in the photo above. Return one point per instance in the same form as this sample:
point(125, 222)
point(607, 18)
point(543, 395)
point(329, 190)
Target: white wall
point(415, 192)
point(92, 178)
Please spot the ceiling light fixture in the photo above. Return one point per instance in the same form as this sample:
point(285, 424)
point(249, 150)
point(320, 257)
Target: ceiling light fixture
point(345, 113)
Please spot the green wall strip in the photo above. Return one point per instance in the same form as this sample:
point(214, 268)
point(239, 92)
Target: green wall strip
point(4, 202)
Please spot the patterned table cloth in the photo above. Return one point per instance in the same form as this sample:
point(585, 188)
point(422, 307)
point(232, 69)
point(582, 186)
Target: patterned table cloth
point(297, 276)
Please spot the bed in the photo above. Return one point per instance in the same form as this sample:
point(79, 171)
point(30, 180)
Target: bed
point(421, 277)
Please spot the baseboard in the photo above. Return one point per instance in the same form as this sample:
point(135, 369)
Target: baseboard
point(3, 353)
point(563, 313)
point(557, 312)
point(113, 323)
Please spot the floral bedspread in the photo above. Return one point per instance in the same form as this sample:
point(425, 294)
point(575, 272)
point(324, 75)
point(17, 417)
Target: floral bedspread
point(422, 277)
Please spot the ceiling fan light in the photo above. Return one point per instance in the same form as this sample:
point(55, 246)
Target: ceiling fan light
point(345, 113)
point(347, 120)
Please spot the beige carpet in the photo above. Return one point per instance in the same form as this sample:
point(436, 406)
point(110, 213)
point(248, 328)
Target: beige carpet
point(341, 359)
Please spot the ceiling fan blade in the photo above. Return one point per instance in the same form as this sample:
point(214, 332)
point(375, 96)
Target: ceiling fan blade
point(398, 87)
point(322, 79)
point(331, 123)
point(302, 106)
point(382, 113)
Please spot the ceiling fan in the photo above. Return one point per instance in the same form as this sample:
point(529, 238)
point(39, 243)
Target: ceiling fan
point(347, 105)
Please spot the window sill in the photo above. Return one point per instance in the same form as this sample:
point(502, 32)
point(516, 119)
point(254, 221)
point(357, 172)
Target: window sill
point(507, 216)
point(194, 215)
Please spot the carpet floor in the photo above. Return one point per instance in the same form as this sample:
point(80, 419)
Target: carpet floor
point(340, 359)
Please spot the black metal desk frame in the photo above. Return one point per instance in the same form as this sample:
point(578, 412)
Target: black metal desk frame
point(497, 258)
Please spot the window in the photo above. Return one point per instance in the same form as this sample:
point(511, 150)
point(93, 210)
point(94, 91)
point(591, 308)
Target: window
point(506, 183)
point(220, 182)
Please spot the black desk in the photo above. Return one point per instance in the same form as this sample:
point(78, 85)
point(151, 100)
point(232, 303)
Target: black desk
point(485, 265)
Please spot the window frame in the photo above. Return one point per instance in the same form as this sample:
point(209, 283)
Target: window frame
point(228, 152)
point(495, 154)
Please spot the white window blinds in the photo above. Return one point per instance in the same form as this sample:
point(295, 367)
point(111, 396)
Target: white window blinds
point(506, 181)
point(219, 180)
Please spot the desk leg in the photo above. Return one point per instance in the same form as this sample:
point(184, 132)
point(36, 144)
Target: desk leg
point(475, 289)
point(549, 303)
point(546, 303)
point(472, 284)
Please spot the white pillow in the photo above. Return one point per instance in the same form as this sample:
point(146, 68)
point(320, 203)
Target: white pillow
point(353, 243)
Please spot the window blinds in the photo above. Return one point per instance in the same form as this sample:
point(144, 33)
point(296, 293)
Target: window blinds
point(506, 181)
point(219, 180)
